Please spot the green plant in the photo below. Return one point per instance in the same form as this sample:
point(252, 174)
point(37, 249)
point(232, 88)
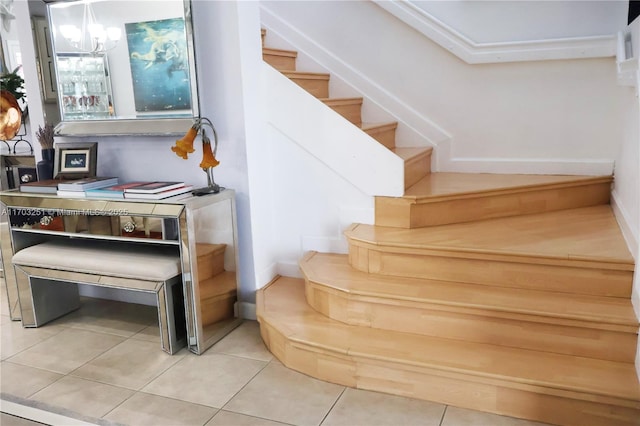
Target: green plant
point(13, 83)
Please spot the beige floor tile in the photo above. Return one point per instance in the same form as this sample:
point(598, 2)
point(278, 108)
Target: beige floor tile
point(8, 420)
point(70, 349)
point(4, 303)
point(227, 418)
point(108, 316)
point(360, 407)
point(244, 341)
point(144, 409)
point(5, 319)
point(210, 379)
point(455, 416)
point(15, 338)
point(280, 394)
point(131, 364)
point(23, 381)
point(149, 334)
point(81, 396)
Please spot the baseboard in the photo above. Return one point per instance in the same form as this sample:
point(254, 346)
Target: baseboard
point(445, 162)
point(623, 220)
point(482, 53)
point(289, 269)
point(324, 245)
point(267, 274)
point(246, 310)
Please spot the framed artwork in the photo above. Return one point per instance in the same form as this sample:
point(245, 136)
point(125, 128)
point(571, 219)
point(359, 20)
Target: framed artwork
point(159, 65)
point(75, 160)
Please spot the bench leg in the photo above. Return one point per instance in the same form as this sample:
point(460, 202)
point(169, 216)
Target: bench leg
point(171, 316)
point(42, 299)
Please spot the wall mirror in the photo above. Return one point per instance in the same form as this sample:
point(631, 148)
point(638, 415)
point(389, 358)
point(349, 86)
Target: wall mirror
point(123, 68)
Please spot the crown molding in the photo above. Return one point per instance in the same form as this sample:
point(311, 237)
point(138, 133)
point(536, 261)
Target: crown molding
point(481, 53)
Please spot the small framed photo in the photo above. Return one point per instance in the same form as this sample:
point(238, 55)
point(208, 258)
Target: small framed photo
point(75, 160)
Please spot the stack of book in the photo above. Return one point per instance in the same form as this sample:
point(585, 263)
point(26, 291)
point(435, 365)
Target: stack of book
point(108, 187)
point(142, 190)
point(41, 186)
point(77, 188)
point(67, 188)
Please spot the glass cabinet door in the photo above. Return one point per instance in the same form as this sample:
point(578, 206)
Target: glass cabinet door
point(84, 86)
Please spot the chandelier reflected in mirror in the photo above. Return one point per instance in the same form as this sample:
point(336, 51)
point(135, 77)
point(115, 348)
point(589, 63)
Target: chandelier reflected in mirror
point(92, 37)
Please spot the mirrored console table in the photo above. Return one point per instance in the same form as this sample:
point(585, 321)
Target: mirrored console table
point(201, 230)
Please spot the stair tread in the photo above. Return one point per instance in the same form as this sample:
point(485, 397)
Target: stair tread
point(588, 234)
point(380, 126)
point(333, 270)
point(223, 283)
point(205, 249)
point(279, 52)
point(342, 100)
point(441, 185)
point(306, 74)
point(282, 305)
point(411, 152)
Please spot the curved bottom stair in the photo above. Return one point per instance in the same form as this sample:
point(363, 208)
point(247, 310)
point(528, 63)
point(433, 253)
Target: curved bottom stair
point(542, 386)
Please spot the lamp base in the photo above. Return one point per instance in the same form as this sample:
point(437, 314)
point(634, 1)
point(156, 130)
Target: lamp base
point(213, 189)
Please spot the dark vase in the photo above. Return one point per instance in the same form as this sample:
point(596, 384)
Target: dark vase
point(45, 166)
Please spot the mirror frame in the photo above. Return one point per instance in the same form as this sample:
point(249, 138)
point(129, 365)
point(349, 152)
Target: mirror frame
point(135, 126)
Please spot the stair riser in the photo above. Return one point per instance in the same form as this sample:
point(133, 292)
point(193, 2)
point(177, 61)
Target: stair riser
point(217, 308)
point(386, 137)
point(403, 213)
point(281, 63)
point(352, 112)
point(515, 272)
point(416, 168)
point(317, 87)
point(484, 394)
point(210, 265)
point(482, 326)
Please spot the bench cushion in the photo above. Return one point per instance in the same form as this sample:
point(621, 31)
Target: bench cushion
point(143, 262)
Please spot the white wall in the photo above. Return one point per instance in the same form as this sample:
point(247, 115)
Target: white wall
point(626, 201)
point(508, 21)
point(558, 116)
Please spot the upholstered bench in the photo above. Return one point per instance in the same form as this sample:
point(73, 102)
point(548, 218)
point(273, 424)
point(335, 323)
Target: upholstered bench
point(47, 275)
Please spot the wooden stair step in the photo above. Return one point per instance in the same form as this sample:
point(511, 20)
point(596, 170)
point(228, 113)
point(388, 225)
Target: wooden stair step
point(417, 163)
point(580, 325)
point(385, 133)
point(349, 108)
point(282, 60)
point(510, 381)
point(575, 251)
point(443, 198)
point(210, 259)
point(263, 34)
point(315, 83)
point(218, 297)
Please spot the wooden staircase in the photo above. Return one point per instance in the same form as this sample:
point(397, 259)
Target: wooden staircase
point(502, 293)
point(417, 160)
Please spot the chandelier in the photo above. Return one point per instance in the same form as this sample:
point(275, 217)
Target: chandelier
point(92, 37)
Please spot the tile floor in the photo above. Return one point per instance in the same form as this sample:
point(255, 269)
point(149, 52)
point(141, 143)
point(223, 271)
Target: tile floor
point(103, 365)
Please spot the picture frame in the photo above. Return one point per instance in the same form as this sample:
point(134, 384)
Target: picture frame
point(75, 160)
point(159, 63)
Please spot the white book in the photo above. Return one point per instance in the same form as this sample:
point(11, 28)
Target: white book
point(71, 194)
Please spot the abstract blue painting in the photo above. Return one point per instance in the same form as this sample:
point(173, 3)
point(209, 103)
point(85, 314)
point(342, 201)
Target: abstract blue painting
point(159, 65)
